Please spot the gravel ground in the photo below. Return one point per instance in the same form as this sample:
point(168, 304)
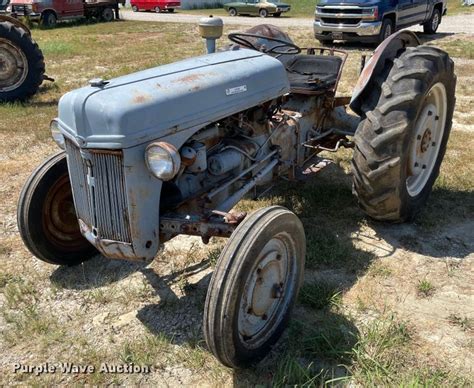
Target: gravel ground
point(449, 24)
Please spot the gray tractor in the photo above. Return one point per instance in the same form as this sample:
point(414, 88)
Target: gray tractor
point(171, 150)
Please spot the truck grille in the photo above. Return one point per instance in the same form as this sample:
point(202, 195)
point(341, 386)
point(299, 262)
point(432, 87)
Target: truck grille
point(104, 205)
point(344, 21)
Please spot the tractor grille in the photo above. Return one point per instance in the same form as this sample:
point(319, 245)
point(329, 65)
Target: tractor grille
point(102, 205)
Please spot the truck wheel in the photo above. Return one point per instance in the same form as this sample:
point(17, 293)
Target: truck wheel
point(431, 26)
point(232, 12)
point(49, 20)
point(157, 9)
point(254, 286)
point(47, 218)
point(400, 144)
point(107, 14)
point(134, 8)
point(263, 13)
point(386, 30)
point(21, 64)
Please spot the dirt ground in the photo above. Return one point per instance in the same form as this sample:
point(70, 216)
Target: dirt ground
point(382, 304)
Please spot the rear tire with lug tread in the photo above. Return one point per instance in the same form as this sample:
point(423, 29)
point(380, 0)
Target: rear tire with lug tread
point(254, 286)
point(47, 218)
point(401, 141)
point(18, 51)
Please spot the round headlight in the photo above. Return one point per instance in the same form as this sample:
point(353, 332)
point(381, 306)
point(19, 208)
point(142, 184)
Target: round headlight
point(163, 160)
point(56, 133)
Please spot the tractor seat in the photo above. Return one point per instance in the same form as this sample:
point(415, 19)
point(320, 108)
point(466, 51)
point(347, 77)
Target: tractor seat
point(312, 74)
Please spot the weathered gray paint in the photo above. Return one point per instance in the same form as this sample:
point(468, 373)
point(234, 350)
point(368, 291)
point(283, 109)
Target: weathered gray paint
point(170, 103)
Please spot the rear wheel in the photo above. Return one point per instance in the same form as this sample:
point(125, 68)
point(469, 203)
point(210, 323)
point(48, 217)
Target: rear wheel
point(232, 12)
point(401, 142)
point(21, 64)
point(431, 26)
point(157, 9)
point(263, 13)
point(47, 218)
point(254, 286)
point(135, 8)
point(107, 14)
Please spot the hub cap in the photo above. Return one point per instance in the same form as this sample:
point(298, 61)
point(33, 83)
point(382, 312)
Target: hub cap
point(429, 130)
point(268, 290)
point(435, 21)
point(13, 66)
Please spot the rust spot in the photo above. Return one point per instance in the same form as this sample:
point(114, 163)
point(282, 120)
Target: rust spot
point(189, 78)
point(141, 98)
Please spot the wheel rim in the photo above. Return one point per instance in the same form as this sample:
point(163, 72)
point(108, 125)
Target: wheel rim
point(435, 21)
point(263, 13)
point(157, 9)
point(232, 12)
point(59, 217)
point(268, 290)
point(13, 66)
point(425, 146)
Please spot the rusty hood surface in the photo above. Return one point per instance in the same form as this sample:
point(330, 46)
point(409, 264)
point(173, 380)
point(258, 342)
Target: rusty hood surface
point(154, 103)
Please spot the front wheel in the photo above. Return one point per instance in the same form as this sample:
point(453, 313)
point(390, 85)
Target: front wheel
point(49, 20)
point(47, 218)
point(134, 8)
point(386, 30)
point(263, 13)
point(157, 9)
point(232, 12)
point(254, 286)
point(431, 26)
point(401, 142)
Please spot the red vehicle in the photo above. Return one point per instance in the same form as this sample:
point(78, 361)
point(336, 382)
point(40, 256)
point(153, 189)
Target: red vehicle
point(48, 12)
point(155, 5)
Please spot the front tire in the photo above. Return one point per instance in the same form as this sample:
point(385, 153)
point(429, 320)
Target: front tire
point(135, 8)
point(401, 142)
point(49, 20)
point(431, 26)
point(254, 286)
point(263, 13)
point(46, 216)
point(232, 12)
point(157, 9)
point(23, 64)
point(386, 30)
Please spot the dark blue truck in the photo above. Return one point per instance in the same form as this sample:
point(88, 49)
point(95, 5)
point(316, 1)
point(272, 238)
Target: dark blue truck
point(374, 20)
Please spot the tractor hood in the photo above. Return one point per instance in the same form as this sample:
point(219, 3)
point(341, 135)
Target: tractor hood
point(151, 104)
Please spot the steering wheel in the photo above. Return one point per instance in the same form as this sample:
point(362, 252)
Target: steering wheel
point(242, 39)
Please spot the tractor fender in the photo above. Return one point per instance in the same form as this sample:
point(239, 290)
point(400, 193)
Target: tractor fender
point(388, 49)
point(16, 22)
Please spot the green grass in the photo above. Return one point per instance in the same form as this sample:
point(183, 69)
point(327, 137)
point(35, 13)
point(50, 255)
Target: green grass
point(425, 288)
